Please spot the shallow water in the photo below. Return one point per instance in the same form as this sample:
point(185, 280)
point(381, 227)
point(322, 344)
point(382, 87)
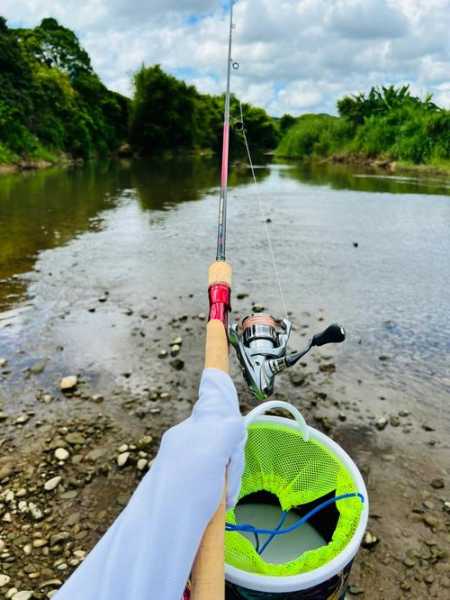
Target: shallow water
point(141, 235)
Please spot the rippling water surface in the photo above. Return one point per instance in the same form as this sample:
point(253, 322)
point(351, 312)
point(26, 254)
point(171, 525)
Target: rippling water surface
point(144, 233)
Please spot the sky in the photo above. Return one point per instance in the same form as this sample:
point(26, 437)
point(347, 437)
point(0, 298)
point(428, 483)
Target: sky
point(295, 56)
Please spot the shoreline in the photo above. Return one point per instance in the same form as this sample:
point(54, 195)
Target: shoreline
point(386, 165)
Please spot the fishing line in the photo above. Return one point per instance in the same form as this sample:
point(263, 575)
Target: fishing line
point(247, 528)
point(263, 216)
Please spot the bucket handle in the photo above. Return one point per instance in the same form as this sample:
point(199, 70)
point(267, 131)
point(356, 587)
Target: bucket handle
point(271, 405)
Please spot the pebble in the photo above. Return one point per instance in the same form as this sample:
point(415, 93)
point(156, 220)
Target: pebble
point(123, 448)
point(21, 420)
point(162, 354)
point(355, 590)
point(431, 521)
point(142, 464)
point(52, 484)
point(68, 383)
point(178, 341)
point(370, 540)
point(97, 398)
point(61, 454)
point(201, 316)
point(241, 295)
point(381, 423)
point(3, 362)
point(4, 580)
point(75, 439)
point(25, 595)
point(394, 421)
point(409, 562)
point(177, 364)
point(438, 483)
point(175, 350)
point(258, 308)
point(122, 459)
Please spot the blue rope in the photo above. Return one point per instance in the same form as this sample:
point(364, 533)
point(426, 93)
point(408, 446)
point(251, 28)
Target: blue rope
point(272, 533)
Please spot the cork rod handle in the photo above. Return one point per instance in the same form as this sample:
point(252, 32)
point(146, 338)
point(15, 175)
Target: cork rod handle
point(208, 574)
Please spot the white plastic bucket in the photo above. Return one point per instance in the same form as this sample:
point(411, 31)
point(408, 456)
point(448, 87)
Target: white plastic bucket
point(326, 582)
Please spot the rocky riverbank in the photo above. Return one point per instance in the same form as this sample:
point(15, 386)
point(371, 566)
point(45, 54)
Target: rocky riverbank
point(71, 459)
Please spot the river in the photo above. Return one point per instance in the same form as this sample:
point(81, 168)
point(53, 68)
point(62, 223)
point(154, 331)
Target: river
point(144, 233)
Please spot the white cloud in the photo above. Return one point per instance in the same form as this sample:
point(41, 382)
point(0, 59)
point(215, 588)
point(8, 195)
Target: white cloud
point(295, 55)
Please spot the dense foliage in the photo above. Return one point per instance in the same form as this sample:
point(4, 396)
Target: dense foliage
point(167, 113)
point(388, 122)
point(51, 101)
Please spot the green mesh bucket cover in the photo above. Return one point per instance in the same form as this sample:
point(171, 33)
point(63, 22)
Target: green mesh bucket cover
point(278, 460)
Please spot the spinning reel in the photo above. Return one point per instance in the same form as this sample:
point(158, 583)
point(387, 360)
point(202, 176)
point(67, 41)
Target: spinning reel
point(261, 346)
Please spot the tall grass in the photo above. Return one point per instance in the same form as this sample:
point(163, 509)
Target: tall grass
point(388, 123)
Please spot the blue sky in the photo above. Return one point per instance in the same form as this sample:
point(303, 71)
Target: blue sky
point(296, 55)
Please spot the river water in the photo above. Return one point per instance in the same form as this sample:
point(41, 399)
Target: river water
point(79, 249)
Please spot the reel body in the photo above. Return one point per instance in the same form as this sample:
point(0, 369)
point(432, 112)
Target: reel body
point(261, 344)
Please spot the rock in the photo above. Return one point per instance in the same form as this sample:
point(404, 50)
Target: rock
point(125, 151)
point(21, 420)
point(95, 455)
point(98, 398)
point(297, 378)
point(429, 578)
point(35, 512)
point(201, 316)
point(6, 470)
point(394, 421)
point(355, 590)
point(409, 562)
point(59, 538)
point(175, 350)
point(52, 484)
point(144, 442)
point(25, 595)
point(258, 308)
point(3, 362)
point(3, 416)
point(446, 507)
point(123, 448)
point(38, 367)
point(438, 483)
point(103, 299)
point(242, 296)
point(61, 454)
point(178, 341)
point(431, 521)
point(384, 357)
point(142, 464)
point(327, 368)
point(177, 364)
point(75, 439)
point(355, 245)
point(68, 383)
point(122, 459)
point(427, 427)
point(4, 580)
point(381, 423)
point(162, 354)
point(370, 540)
point(404, 413)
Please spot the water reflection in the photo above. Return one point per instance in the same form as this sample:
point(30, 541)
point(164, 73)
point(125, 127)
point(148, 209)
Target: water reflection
point(343, 177)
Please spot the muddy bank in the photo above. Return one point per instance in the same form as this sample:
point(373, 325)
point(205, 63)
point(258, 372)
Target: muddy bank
point(64, 477)
point(386, 165)
point(22, 166)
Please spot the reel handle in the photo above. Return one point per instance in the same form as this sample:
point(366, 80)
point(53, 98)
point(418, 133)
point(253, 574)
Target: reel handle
point(273, 404)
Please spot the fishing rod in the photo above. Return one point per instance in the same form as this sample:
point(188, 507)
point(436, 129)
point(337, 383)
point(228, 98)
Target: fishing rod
point(260, 342)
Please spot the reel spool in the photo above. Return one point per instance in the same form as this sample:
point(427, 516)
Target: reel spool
point(261, 344)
